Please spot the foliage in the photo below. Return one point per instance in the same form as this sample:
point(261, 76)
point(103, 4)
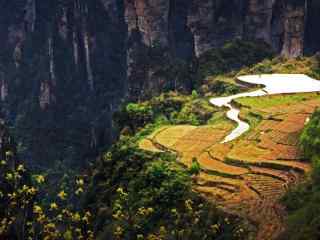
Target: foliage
point(303, 202)
point(301, 65)
point(194, 94)
point(168, 108)
point(195, 167)
point(232, 56)
point(143, 195)
point(310, 138)
point(26, 213)
point(31, 208)
point(157, 69)
point(218, 67)
point(134, 116)
point(276, 100)
point(219, 88)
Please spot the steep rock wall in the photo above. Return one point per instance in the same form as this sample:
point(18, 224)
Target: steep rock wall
point(312, 33)
point(294, 28)
point(215, 22)
point(186, 29)
point(62, 74)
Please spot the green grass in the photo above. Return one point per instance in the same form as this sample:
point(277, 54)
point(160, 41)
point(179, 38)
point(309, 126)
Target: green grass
point(304, 65)
point(275, 100)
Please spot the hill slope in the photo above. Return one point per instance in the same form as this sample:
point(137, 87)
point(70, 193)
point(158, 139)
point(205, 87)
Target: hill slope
point(246, 177)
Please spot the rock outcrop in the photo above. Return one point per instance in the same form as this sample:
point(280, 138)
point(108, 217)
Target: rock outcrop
point(294, 28)
point(62, 73)
point(66, 65)
point(215, 22)
point(186, 29)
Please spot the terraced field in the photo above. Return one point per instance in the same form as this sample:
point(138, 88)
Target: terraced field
point(249, 175)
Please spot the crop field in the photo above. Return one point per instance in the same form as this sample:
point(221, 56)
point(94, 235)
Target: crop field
point(274, 101)
point(212, 165)
point(147, 144)
point(168, 137)
point(249, 175)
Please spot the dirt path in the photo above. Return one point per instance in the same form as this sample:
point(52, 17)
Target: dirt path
point(273, 84)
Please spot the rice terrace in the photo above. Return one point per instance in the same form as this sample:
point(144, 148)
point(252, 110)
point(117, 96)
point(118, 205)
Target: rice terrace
point(248, 174)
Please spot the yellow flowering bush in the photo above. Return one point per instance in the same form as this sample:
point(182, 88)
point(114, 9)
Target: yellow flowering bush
point(22, 207)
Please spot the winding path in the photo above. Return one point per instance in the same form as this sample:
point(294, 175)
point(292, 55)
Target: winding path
point(273, 84)
point(247, 178)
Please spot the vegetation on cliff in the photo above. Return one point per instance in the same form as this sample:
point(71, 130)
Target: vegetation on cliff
point(135, 194)
point(303, 202)
point(32, 207)
point(167, 109)
point(141, 195)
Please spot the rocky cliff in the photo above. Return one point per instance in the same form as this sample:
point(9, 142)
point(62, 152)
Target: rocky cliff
point(62, 72)
point(65, 65)
point(186, 29)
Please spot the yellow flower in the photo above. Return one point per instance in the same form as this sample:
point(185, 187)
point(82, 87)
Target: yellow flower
point(41, 218)
point(9, 153)
point(53, 206)
point(117, 215)
point(140, 237)
point(174, 212)
point(25, 188)
point(66, 212)
point(150, 210)
point(62, 195)
point(21, 168)
point(68, 235)
point(119, 231)
point(188, 204)
point(86, 217)
point(162, 230)
point(12, 196)
point(32, 191)
point(121, 192)
point(79, 191)
point(80, 182)
point(9, 176)
point(90, 235)
point(59, 217)
point(37, 209)
point(40, 179)
point(215, 228)
point(76, 217)
point(3, 162)
point(50, 226)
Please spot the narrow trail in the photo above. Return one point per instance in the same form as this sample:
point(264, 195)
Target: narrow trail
point(273, 84)
point(233, 113)
point(246, 175)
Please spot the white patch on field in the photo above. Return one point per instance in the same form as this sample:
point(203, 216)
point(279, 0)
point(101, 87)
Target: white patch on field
point(273, 84)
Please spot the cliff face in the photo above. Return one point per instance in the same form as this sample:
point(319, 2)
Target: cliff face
point(62, 72)
point(65, 65)
point(187, 29)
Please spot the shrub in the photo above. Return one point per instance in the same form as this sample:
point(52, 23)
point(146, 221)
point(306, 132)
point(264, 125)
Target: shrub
point(310, 138)
point(232, 56)
point(303, 202)
point(195, 167)
point(148, 196)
